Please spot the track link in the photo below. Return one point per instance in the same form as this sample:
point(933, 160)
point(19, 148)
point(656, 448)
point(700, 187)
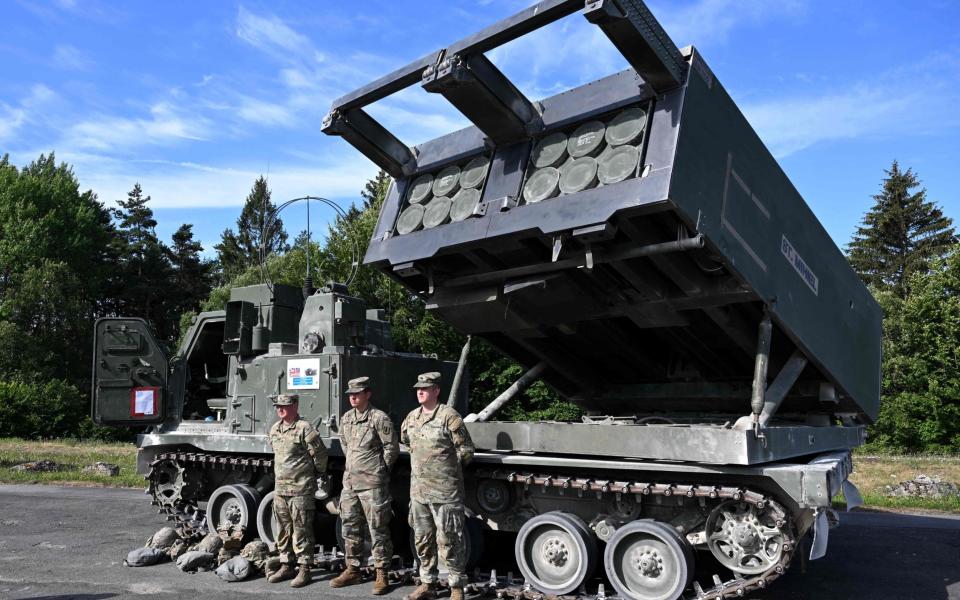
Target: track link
point(508, 587)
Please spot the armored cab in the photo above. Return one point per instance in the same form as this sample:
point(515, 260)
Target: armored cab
point(208, 409)
point(636, 246)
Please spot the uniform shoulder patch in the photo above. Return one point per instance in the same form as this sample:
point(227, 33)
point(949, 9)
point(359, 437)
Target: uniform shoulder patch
point(454, 422)
point(312, 436)
point(383, 422)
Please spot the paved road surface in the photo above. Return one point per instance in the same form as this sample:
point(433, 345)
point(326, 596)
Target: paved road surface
point(67, 543)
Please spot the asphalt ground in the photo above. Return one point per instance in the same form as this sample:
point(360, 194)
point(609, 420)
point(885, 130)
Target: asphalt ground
point(68, 543)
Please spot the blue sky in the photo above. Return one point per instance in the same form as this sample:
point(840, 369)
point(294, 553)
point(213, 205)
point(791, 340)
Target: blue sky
point(196, 99)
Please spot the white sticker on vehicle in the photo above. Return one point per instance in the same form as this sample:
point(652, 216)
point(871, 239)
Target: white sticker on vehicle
point(303, 374)
point(144, 402)
point(799, 265)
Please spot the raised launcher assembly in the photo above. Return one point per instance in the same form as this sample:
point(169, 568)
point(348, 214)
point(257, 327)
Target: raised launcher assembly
point(635, 245)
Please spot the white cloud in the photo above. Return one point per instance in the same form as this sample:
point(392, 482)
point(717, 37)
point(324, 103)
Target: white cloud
point(13, 117)
point(71, 58)
point(880, 108)
point(572, 52)
point(265, 113)
point(793, 124)
point(270, 34)
point(557, 57)
point(165, 125)
point(184, 184)
point(712, 21)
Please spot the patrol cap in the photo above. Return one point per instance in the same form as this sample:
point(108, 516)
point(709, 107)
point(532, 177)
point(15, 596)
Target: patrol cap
point(286, 399)
point(425, 380)
point(355, 386)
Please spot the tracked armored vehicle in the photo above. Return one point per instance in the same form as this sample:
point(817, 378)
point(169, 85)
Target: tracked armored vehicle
point(208, 409)
point(634, 244)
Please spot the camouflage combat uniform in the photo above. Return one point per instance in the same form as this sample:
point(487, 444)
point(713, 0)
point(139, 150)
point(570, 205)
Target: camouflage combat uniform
point(370, 445)
point(299, 458)
point(439, 444)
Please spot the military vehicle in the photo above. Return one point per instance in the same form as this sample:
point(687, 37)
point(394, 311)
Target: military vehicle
point(208, 409)
point(634, 244)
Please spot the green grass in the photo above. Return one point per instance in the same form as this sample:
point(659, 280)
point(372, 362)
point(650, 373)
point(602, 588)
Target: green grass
point(72, 457)
point(873, 473)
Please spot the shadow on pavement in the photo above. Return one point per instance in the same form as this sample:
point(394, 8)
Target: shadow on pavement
point(880, 556)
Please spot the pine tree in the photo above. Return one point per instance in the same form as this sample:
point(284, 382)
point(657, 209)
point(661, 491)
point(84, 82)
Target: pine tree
point(238, 251)
point(192, 276)
point(142, 279)
point(900, 235)
point(375, 190)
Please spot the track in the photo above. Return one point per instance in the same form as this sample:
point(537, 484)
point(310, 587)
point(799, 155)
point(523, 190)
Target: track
point(741, 500)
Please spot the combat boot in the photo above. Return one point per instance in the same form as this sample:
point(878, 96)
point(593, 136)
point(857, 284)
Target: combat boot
point(381, 585)
point(456, 593)
point(303, 577)
point(424, 591)
point(350, 576)
point(286, 572)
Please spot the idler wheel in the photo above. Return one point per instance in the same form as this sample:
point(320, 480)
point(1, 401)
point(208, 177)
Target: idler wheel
point(236, 503)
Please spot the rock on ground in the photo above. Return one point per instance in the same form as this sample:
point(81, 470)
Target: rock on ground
point(37, 466)
point(923, 487)
point(103, 468)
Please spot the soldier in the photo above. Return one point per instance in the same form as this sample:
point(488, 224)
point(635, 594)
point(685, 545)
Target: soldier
point(370, 447)
point(439, 445)
point(299, 458)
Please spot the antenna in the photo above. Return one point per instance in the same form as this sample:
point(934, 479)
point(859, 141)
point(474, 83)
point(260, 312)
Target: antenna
point(355, 247)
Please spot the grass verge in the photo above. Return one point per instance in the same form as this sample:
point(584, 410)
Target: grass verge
point(872, 474)
point(72, 456)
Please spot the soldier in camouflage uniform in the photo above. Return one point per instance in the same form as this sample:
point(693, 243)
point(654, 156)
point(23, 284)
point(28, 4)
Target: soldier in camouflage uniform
point(370, 447)
point(439, 447)
point(299, 458)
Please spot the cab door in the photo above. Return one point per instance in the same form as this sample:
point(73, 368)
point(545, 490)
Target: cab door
point(129, 374)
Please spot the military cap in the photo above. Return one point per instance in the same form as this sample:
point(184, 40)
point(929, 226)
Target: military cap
point(355, 386)
point(286, 399)
point(425, 380)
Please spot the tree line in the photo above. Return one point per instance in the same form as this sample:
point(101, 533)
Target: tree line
point(66, 258)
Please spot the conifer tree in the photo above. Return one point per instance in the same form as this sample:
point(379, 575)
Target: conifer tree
point(241, 249)
point(900, 235)
point(192, 276)
point(142, 279)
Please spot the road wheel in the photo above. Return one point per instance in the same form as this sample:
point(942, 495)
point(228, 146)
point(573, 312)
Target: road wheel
point(648, 560)
point(556, 552)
